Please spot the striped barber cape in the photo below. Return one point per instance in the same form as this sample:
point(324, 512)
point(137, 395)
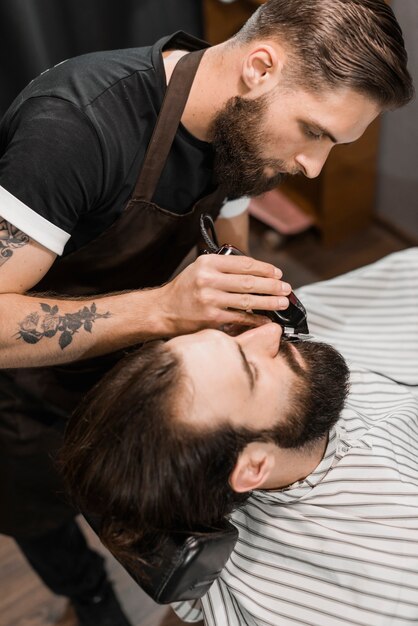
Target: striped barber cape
point(341, 547)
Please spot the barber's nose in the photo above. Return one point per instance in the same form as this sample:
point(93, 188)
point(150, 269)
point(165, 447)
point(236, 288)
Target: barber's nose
point(312, 164)
point(264, 339)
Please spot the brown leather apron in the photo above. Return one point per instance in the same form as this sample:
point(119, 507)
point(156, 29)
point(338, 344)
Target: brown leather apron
point(141, 249)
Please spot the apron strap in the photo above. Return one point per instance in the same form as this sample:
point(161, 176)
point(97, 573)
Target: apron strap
point(165, 129)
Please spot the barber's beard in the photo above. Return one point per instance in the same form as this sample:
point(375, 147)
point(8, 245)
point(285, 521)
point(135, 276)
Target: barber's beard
point(237, 138)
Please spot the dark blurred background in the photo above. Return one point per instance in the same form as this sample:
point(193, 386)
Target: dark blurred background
point(36, 34)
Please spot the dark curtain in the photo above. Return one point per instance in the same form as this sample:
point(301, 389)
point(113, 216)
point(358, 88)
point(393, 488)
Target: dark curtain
point(36, 34)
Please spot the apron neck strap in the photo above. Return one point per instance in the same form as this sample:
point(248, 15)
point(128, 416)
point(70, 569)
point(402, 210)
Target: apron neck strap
point(172, 108)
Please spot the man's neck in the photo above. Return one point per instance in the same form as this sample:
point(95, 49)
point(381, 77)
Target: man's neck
point(294, 465)
point(208, 94)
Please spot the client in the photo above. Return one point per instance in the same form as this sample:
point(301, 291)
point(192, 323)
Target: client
point(325, 498)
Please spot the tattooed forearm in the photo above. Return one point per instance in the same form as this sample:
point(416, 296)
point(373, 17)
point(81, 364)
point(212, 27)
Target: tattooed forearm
point(49, 323)
point(10, 239)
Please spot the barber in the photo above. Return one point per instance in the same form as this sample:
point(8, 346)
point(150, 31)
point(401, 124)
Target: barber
point(104, 173)
point(102, 187)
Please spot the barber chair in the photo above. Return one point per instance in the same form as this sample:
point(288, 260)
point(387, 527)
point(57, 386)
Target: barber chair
point(187, 565)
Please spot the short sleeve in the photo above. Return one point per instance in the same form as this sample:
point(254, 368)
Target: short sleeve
point(51, 170)
point(232, 208)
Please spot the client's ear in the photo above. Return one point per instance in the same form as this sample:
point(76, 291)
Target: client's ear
point(252, 468)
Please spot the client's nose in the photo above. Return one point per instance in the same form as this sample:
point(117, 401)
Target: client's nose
point(265, 338)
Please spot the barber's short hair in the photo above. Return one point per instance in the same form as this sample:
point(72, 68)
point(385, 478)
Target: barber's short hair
point(131, 458)
point(338, 43)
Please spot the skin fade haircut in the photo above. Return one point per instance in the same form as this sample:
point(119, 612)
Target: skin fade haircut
point(356, 44)
point(130, 458)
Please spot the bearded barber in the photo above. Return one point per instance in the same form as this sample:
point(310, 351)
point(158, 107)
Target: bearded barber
point(104, 173)
point(102, 187)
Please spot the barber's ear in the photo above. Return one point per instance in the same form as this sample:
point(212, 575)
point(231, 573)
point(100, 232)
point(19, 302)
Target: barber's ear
point(253, 468)
point(262, 67)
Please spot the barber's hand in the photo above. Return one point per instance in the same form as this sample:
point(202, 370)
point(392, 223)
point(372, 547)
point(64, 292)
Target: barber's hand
point(217, 290)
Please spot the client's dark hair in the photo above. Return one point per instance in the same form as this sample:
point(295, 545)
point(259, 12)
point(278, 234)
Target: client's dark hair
point(129, 458)
point(338, 43)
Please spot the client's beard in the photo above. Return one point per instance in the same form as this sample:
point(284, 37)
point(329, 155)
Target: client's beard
point(318, 395)
point(236, 136)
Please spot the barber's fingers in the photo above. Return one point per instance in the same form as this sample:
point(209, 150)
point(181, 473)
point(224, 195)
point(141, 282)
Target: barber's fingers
point(203, 295)
point(238, 274)
point(234, 283)
point(249, 301)
point(232, 264)
point(234, 320)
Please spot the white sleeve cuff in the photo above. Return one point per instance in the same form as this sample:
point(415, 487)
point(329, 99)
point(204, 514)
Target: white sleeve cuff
point(31, 223)
point(232, 208)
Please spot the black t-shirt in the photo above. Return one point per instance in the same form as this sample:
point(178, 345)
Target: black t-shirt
point(72, 145)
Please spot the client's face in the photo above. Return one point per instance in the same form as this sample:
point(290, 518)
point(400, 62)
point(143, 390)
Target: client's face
point(249, 380)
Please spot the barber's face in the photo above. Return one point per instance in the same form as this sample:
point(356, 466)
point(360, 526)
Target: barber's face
point(287, 131)
point(246, 380)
